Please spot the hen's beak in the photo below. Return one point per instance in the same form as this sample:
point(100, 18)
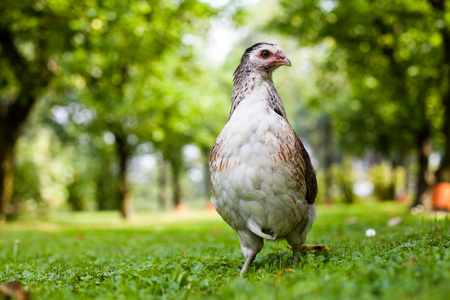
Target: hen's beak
point(282, 60)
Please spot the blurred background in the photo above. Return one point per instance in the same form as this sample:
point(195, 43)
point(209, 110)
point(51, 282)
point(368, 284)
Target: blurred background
point(115, 105)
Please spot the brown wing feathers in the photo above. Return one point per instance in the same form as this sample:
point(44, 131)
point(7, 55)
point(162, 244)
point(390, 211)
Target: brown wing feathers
point(309, 173)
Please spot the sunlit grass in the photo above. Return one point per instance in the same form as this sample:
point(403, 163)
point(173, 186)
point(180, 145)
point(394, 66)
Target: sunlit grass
point(196, 255)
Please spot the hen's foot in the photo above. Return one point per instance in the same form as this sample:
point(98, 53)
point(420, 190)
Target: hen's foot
point(308, 248)
point(312, 248)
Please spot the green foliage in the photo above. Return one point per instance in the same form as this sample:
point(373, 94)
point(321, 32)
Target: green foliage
point(121, 79)
point(174, 257)
point(120, 73)
point(132, 70)
point(391, 53)
point(41, 179)
point(343, 181)
point(386, 180)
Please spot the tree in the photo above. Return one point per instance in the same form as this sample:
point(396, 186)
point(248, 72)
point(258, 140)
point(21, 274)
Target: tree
point(101, 54)
point(32, 35)
point(390, 51)
point(442, 11)
point(122, 49)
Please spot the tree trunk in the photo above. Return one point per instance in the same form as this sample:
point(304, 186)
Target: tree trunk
point(162, 180)
point(14, 115)
point(14, 112)
point(406, 164)
point(107, 185)
point(6, 175)
point(76, 199)
point(176, 185)
point(124, 153)
point(392, 189)
point(327, 147)
point(443, 172)
point(424, 146)
point(11, 121)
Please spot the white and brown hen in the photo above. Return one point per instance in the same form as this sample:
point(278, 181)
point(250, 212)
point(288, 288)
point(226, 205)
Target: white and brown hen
point(263, 182)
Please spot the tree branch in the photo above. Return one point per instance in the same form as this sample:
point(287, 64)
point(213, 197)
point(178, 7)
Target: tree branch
point(438, 4)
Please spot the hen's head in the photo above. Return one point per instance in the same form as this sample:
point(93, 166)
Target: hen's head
point(263, 57)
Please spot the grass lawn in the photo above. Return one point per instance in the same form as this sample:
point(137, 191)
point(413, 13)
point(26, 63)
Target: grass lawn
point(170, 256)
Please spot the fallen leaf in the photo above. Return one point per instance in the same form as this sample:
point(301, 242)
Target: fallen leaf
point(410, 262)
point(282, 272)
point(14, 289)
point(313, 248)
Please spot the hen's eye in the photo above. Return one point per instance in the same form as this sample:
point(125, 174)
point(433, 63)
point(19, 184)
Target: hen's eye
point(265, 54)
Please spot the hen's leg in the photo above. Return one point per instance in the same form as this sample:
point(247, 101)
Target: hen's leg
point(297, 236)
point(251, 245)
point(295, 257)
point(295, 247)
point(305, 248)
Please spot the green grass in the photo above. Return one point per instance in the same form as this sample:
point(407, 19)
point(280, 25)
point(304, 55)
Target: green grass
point(167, 256)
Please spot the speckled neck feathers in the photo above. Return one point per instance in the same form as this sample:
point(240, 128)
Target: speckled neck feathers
point(247, 78)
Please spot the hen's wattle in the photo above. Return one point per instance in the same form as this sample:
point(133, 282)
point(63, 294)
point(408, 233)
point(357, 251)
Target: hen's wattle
point(262, 179)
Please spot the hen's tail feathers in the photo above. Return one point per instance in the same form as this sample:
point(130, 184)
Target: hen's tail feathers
point(257, 230)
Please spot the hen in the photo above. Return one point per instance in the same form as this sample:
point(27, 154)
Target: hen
point(262, 179)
